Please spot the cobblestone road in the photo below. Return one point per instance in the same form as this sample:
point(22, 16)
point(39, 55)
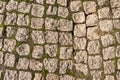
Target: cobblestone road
point(59, 39)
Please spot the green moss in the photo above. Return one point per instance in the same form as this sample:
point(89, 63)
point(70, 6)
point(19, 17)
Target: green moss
point(44, 72)
point(69, 17)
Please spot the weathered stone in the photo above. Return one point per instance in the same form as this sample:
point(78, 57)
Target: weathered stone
point(50, 23)
point(1, 32)
point(108, 53)
point(116, 24)
point(93, 33)
point(81, 57)
point(104, 12)
point(23, 63)
point(40, 1)
point(37, 52)
point(116, 12)
point(23, 49)
point(24, 7)
point(52, 10)
point(94, 47)
point(52, 76)
point(1, 18)
point(66, 52)
point(109, 67)
point(38, 76)
point(80, 30)
point(1, 43)
point(37, 10)
point(96, 74)
point(22, 34)
point(51, 37)
point(50, 1)
point(37, 23)
point(25, 75)
point(109, 77)
point(118, 75)
point(106, 25)
point(117, 34)
point(107, 40)
point(115, 3)
point(35, 65)
point(1, 57)
point(51, 50)
point(12, 5)
point(95, 62)
point(10, 75)
point(10, 18)
point(78, 17)
point(80, 43)
point(65, 25)
point(118, 51)
point(65, 65)
point(2, 6)
point(89, 6)
point(62, 2)
point(118, 64)
point(75, 5)
point(23, 20)
point(9, 60)
point(67, 77)
point(10, 31)
point(50, 64)
point(37, 37)
point(102, 2)
point(94, 20)
point(9, 45)
point(63, 12)
point(65, 38)
point(82, 68)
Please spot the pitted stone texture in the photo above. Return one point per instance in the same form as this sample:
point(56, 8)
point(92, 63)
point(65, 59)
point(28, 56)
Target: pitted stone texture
point(104, 12)
point(93, 33)
point(50, 23)
point(10, 75)
point(63, 12)
point(12, 5)
point(23, 49)
point(1, 18)
point(10, 31)
point(9, 60)
point(109, 77)
point(1, 32)
point(35, 65)
point(37, 23)
point(51, 50)
point(37, 52)
point(118, 64)
point(25, 75)
point(116, 12)
point(52, 76)
point(24, 7)
point(96, 74)
point(10, 18)
point(51, 37)
point(23, 63)
point(23, 20)
point(109, 67)
point(101, 3)
point(81, 57)
point(80, 30)
point(62, 2)
point(82, 68)
point(64, 25)
point(117, 34)
point(107, 40)
point(50, 1)
point(1, 57)
point(9, 45)
point(65, 38)
point(108, 53)
point(38, 76)
point(67, 77)
point(22, 34)
point(89, 6)
point(106, 25)
point(2, 6)
point(116, 24)
point(75, 5)
point(78, 17)
point(52, 10)
point(95, 62)
point(94, 20)
point(66, 52)
point(37, 10)
point(115, 3)
point(118, 51)
point(1, 42)
point(94, 47)
point(37, 37)
point(80, 43)
point(50, 64)
point(118, 75)
point(65, 65)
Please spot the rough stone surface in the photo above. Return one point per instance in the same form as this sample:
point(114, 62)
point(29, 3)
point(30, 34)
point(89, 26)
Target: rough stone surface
point(37, 52)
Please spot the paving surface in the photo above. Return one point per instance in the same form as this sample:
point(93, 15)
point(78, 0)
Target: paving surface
point(59, 40)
